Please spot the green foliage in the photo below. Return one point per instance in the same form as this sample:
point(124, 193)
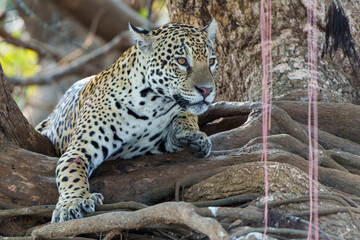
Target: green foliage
point(17, 61)
point(16, 34)
point(143, 12)
point(157, 5)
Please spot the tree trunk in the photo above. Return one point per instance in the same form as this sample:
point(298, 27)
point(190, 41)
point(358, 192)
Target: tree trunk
point(15, 129)
point(238, 48)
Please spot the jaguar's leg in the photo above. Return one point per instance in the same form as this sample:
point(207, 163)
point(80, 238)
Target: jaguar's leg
point(87, 150)
point(186, 133)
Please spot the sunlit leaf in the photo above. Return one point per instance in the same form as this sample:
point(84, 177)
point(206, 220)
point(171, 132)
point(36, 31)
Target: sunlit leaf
point(16, 34)
point(143, 12)
point(18, 61)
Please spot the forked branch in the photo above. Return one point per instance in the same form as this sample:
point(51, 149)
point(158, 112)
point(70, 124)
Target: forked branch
point(168, 213)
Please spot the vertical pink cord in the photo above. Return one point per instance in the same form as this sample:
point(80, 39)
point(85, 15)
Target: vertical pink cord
point(270, 60)
point(309, 23)
point(315, 110)
point(265, 29)
point(312, 110)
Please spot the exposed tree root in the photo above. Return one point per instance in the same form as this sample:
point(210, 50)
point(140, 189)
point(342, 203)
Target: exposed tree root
point(282, 232)
point(228, 201)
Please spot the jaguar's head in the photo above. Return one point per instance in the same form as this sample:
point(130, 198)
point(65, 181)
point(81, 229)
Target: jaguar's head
point(180, 63)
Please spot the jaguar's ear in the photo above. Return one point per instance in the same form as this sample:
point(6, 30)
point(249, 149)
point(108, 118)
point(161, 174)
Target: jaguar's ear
point(141, 38)
point(210, 29)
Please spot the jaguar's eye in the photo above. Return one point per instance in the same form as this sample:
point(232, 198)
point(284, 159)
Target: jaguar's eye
point(211, 61)
point(182, 61)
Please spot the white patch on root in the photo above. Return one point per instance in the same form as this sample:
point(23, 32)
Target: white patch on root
point(213, 210)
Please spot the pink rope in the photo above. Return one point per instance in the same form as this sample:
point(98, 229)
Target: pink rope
point(312, 111)
point(265, 29)
point(270, 60)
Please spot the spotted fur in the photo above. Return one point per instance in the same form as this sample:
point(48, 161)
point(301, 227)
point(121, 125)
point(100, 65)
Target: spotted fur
point(144, 103)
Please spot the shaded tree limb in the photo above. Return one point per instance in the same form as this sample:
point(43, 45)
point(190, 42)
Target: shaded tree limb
point(304, 198)
point(116, 12)
point(46, 210)
point(23, 7)
point(228, 201)
point(328, 211)
point(32, 46)
point(87, 42)
point(55, 74)
point(112, 234)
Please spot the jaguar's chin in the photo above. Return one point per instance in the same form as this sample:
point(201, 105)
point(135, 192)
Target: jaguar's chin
point(197, 108)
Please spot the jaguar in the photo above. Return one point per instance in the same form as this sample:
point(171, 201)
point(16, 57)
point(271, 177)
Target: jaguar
point(146, 102)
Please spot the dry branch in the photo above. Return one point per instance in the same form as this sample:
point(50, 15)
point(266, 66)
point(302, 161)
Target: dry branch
point(118, 15)
point(169, 213)
point(46, 210)
point(29, 45)
point(55, 74)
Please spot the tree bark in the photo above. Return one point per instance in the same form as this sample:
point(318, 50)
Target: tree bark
point(238, 48)
point(15, 129)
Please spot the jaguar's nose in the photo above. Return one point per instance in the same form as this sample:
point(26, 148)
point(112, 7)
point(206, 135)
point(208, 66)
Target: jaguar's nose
point(204, 91)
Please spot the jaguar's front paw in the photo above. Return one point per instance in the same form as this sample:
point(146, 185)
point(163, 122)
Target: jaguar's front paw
point(74, 208)
point(196, 142)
